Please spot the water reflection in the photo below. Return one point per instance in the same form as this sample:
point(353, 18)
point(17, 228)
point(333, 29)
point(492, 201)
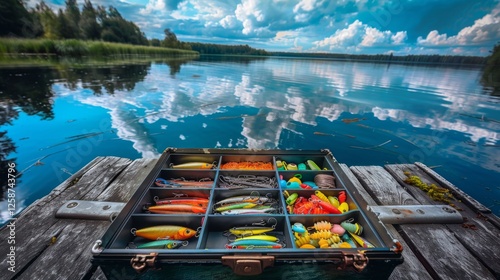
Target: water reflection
point(431, 114)
point(32, 89)
point(491, 78)
point(6, 147)
point(29, 89)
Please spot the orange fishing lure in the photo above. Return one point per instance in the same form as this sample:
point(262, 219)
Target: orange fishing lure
point(196, 201)
point(165, 232)
point(182, 208)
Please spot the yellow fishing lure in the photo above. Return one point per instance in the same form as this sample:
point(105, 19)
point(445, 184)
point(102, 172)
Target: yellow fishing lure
point(164, 232)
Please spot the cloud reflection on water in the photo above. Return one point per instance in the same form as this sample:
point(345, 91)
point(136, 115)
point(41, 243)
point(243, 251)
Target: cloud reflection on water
point(287, 93)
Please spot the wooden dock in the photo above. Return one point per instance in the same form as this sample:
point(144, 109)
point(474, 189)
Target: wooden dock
point(52, 248)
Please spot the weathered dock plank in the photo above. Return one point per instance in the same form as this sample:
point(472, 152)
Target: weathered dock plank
point(438, 249)
point(477, 234)
point(51, 248)
point(465, 198)
point(411, 268)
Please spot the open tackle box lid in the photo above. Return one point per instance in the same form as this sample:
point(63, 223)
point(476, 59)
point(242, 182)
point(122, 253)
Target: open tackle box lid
point(251, 216)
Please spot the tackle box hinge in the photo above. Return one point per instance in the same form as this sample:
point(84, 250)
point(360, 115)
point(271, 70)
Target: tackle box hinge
point(248, 264)
point(141, 261)
point(358, 260)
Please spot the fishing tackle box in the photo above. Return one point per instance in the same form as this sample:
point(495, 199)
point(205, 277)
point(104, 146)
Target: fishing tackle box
point(206, 254)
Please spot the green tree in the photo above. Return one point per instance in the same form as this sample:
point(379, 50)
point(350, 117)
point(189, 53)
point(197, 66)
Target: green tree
point(64, 29)
point(15, 20)
point(12, 12)
point(48, 20)
point(72, 14)
point(491, 72)
point(116, 29)
point(155, 42)
point(89, 27)
point(170, 40)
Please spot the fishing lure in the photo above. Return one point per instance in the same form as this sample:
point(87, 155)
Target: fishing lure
point(178, 183)
point(196, 201)
point(329, 208)
point(296, 178)
point(305, 187)
point(348, 240)
point(312, 165)
point(163, 244)
point(281, 165)
point(322, 225)
point(307, 246)
point(321, 196)
point(298, 227)
point(323, 243)
point(337, 229)
point(343, 207)
point(361, 241)
point(332, 240)
point(325, 234)
point(308, 207)
point(246, 231)
point(352, 227)
point(164, 232)
point(176, 208)
point(302, 166)
point(291, 198)
point(310, 184)
point(250, 242)
point(342, 196)
point(334, 201)
point(293, 185)
point(301, 239)
point(259, 237)
point(244, 205)
point(276, 246)
point(193, 165)
point(245, 198)
point(248, 211)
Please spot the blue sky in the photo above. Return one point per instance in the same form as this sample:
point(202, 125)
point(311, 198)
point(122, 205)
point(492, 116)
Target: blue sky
point(462, 27)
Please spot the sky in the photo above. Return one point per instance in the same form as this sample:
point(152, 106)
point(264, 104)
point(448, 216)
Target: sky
point(402, 27)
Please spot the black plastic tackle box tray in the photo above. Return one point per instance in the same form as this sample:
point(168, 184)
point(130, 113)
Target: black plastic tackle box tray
point(231, 213)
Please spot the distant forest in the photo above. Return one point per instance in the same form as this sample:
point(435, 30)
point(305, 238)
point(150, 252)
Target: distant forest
point(93, 23)
point(98, 23)
point(434, 59)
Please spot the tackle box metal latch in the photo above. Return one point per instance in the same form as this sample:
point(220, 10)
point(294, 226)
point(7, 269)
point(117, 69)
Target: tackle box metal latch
point(141, 261)
point(359, 261)
point(248, 264)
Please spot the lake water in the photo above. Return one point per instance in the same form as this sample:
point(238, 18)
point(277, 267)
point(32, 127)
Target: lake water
point(61, 116)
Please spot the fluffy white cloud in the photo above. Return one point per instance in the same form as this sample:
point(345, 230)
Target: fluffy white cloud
point(285, 36)
point(228, 22)
point(358, 35)
point(159, 6)
point(307, 5)
point(484, 31)
point(248, 11)
point(153, 5)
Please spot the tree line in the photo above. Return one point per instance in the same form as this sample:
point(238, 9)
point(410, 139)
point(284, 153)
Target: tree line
point(419, 59)
point(92, 23)
point(491, 73)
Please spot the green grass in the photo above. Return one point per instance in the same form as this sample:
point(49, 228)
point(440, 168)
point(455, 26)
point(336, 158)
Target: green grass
point(79, 48)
